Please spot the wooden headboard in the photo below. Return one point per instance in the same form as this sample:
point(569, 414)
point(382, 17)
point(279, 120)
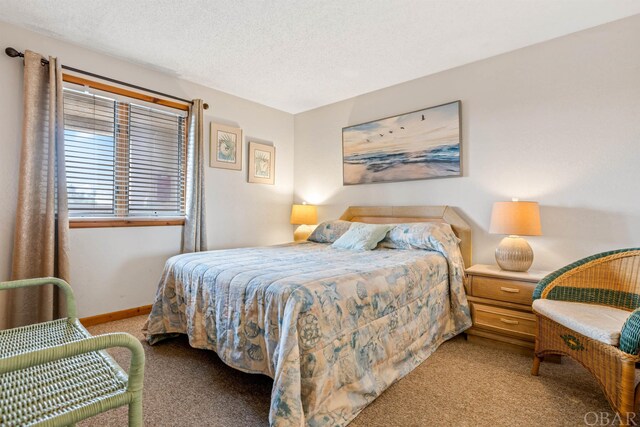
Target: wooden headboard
point(400, 214)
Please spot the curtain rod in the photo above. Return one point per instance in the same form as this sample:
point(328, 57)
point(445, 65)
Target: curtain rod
point(13, 53)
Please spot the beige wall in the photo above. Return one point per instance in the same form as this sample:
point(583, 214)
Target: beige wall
point(557, 122)
point(115, 269)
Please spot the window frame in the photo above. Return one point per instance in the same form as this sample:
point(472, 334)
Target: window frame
point(98, 222)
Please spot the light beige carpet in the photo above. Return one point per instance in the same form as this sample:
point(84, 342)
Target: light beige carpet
point(461, 384)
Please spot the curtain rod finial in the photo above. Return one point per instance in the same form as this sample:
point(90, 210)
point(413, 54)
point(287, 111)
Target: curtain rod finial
point(205, 106)
point(12, 52)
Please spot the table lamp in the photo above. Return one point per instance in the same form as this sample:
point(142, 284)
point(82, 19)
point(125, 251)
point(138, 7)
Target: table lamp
point(516, 219)
point(305, 216)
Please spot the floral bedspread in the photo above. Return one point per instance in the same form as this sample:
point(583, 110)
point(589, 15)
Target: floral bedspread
point(333, 328)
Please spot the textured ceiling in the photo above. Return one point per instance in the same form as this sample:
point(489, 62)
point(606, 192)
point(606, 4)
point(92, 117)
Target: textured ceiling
point(296, 55)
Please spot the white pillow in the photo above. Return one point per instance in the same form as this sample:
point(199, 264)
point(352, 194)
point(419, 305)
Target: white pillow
point(362, 236)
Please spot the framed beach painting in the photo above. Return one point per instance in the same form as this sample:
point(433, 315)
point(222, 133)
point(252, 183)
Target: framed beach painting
point(262, 163)
point(225, 147)
point(423, 144)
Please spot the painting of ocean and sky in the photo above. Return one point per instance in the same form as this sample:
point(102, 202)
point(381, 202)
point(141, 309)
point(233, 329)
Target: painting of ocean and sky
point(419, 145)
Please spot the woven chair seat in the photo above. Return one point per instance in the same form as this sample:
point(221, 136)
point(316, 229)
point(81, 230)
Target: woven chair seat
point(54, 374)
point(42, 392)
point(40, 335)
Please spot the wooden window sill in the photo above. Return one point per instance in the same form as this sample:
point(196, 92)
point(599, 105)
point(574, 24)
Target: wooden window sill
point(110, 222)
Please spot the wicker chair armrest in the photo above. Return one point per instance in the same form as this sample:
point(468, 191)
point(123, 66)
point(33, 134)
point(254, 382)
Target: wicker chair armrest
point(87, 345)
point(630, 335)
point(585, 274)
point(64, 286)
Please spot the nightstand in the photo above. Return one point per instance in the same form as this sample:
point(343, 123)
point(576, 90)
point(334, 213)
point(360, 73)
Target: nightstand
point(501, 306)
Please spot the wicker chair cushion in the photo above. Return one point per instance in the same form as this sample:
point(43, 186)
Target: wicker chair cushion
point(598, 322)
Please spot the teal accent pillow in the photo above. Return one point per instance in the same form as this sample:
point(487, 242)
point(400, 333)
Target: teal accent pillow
point(362, 236)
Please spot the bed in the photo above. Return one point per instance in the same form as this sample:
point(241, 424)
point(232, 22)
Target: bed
point(334, 328)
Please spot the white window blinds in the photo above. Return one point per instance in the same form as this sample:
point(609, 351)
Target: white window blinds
point(123, 159)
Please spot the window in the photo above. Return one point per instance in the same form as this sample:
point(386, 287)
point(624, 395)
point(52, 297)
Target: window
point(125, 159)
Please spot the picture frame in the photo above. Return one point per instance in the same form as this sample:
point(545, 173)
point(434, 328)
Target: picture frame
point(225, 147)
point(262, 163)
point(422, 144)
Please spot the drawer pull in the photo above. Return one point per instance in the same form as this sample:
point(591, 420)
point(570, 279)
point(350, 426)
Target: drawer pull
point(509, 322)
point(510, 290)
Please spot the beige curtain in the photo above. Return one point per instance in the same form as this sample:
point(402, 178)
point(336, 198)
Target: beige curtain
point(41, 244)
point(194, 234)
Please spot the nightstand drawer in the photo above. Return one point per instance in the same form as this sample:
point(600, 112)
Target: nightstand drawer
point(503, 290)
point(506, 321)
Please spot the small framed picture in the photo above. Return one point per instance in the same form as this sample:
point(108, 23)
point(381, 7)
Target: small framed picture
point(262, 162)
point(225, 147)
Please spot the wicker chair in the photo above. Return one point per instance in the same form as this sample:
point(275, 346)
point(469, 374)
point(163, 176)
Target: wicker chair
point(55, 373)
point(607, 288)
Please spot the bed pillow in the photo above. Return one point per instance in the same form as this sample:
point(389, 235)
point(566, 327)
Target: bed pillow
point(362, 236)
point(419, 235)
point(329, 231)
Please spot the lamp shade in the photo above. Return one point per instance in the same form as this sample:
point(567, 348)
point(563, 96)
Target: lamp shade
point(519, 218)
point(304, 214)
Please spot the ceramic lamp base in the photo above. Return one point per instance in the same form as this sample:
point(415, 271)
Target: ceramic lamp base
point(303, 232)
point(514, 254)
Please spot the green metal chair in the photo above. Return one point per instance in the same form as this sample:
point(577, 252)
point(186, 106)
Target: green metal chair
point(55, 373)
